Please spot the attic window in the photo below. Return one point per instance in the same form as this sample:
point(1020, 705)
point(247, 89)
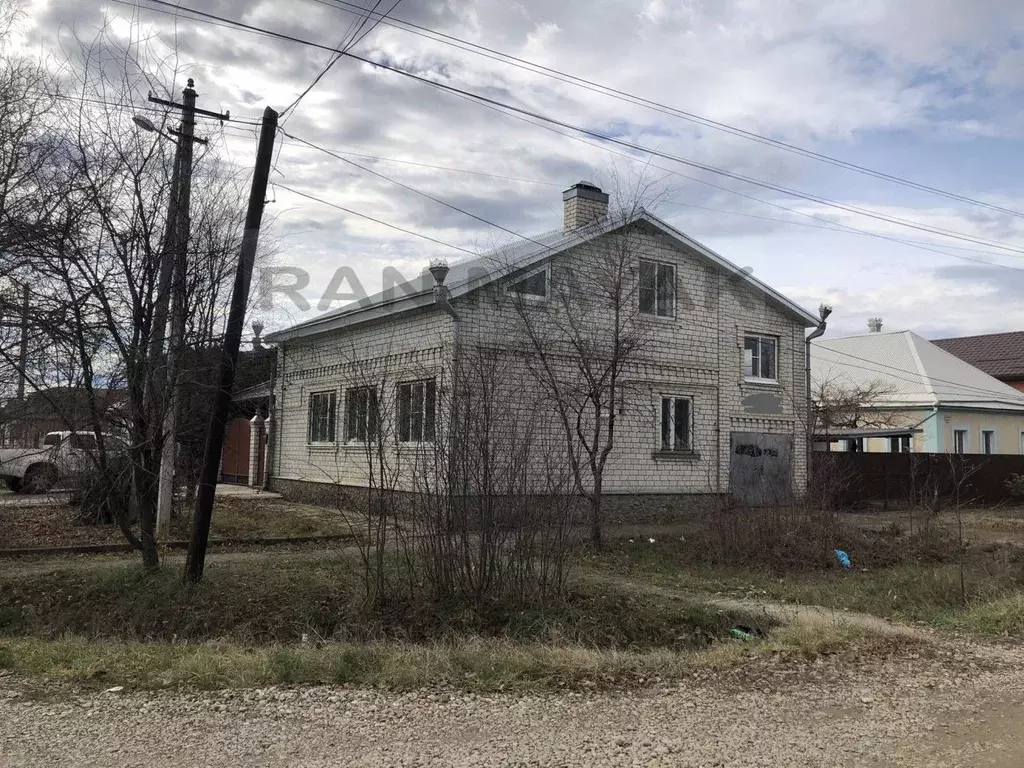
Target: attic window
point(657, 289)
point(534, 285)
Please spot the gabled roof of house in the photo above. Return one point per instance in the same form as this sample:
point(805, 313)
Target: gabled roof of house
point(997, 354)
point(911, 371)
point(469, 274)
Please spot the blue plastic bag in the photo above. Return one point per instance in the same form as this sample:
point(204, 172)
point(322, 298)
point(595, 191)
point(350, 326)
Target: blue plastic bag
point(843, 558)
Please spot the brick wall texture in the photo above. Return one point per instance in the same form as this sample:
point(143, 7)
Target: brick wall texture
point(697, 353)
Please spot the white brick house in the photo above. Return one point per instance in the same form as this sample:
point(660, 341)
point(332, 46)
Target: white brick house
point(715, 400)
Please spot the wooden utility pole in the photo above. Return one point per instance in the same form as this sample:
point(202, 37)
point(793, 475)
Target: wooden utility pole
point(229, 355)
point(172, 280)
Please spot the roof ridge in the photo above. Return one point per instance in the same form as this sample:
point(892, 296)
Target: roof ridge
point(925, 377)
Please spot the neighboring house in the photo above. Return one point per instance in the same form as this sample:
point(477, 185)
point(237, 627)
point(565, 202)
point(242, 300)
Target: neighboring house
point(242, 458)
point(1000, 355)
point(923, 399)
point(716, 403)
point(23, 423)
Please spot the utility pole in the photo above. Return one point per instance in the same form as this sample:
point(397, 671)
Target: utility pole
point(23, 345)
point(229, 354)
point(172, 279)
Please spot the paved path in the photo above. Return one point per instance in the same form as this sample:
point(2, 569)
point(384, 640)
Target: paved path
point(966, 710)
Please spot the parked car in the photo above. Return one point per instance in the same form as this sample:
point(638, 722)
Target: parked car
point(63, 456)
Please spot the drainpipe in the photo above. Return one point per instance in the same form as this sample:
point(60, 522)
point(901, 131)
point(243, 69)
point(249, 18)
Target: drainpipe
point(824, 310)
point(439, 269)
point(272, 417)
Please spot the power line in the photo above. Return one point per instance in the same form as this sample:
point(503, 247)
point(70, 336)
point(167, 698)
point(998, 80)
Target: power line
point(320, 200)
point(590, 85)
point(332, 59)
point(386, 13)
point(129, 106)
point(416, 191)
point(621, 142)
point(343, 48)
point(427, 165)
point(843, 229)
point(435, 199)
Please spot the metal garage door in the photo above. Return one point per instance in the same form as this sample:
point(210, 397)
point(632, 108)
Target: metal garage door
point(761, 468)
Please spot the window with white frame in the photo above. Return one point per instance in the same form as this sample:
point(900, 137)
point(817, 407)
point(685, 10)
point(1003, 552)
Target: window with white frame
point(760, 357)
point(676, 423)
point(322, 409)
point(417, 401)
point(899, 444)
point(1022, 442)
point(361, 414)
point(657, 289)
point(533, 286)
point(988, 441)
point(960, 441)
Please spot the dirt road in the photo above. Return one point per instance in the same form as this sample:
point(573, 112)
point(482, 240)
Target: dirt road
point(965, 709)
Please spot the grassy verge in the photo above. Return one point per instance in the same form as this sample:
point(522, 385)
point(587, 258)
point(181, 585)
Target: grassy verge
point(482, 665)
point(240, 517)
point(275, 599)
point(990, 604)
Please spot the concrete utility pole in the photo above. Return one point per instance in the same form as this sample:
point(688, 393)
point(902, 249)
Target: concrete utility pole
point(23, 346)
point(229, 355)
point(173, 279)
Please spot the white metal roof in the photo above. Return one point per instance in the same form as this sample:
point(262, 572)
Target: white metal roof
point(911, 371)
point(472, 273)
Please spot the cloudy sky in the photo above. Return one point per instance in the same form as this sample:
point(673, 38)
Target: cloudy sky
point(925, 90)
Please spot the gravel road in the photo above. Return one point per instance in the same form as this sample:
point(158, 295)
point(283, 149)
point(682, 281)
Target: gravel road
point(964, 709)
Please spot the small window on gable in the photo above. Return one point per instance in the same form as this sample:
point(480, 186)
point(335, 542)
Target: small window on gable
point(534, 286)
point(657, 289)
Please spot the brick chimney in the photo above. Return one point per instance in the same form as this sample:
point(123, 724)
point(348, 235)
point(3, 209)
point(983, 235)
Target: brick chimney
point(874, 325)
point(583, 203)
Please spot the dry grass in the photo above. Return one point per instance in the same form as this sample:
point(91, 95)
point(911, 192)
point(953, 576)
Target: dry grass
point(242, 517)
point(924, 587)
point(276, 599)
point(475, 665)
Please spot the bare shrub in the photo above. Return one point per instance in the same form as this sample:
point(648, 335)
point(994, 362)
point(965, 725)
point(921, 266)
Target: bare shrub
point(480, 513)
point(103, 496)
point(780, 537)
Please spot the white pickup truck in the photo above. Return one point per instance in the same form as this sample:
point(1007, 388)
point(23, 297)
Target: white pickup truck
point(63, 456)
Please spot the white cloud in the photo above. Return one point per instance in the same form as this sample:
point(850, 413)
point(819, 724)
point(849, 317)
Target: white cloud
point(845, 72)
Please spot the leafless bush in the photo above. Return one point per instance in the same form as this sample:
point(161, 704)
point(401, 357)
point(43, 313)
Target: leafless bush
point(479, 514)
point(780, 537)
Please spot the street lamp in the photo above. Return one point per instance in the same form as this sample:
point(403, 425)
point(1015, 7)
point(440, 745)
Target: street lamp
point(171, 277)
point(144, 123)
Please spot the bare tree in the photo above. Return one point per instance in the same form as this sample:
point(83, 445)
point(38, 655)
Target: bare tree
point(94, 252)
point(583, 345)
point(838, 404)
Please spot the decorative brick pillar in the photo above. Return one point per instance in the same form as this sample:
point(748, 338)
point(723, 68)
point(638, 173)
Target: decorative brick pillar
point(256, 443)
